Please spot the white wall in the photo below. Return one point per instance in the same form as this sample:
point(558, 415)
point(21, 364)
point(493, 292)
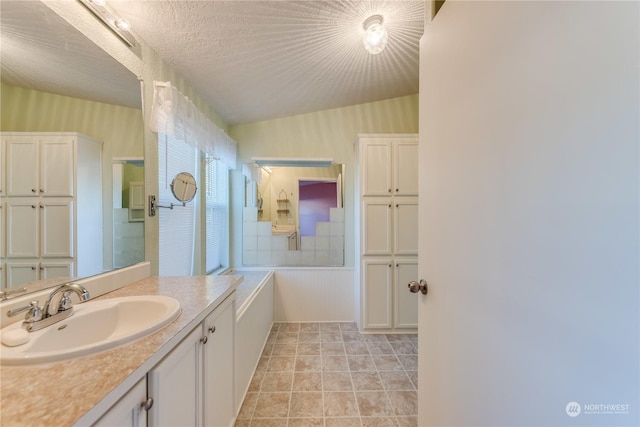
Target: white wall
point(530, 148)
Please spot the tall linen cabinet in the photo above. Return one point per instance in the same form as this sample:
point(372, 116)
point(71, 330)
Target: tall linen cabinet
point(50, 206)
point(387, 215)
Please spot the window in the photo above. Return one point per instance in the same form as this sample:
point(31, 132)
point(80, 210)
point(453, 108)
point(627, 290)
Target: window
point(216, 215)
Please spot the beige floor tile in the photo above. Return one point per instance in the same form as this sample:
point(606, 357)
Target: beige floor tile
point(395, 380)
point(268, 422)
point(272, 405)
point(330, 336)
point(403, 347)
point(400, 337)
point(289, 327)
point(308, 348)
point(309, 337)
point(263, 363)
point(361, 363)
point(356, 348)
point(284, 349)
point(348, 326)
point(256, 381)
point(366, 381)
point(386, 362)
point(332, 349)
point(305, 405)
point(268, 348)
point(352, 336)
point(287, 337)
point(375, 338)
point(373, 404)
point(378, 421)
point(307, 381)
point(407, 421)
point(329, 326)
point(281, 363)
point(249, 404)
point(309, 327)
point(244, 422)
point(308, 363)
point(340, 404)
point(305, 422)
point(342, 422)
point(336, 381)
point(413, 375)
point(334, 363)
point(277, 381)
point(380, 348)
point(404, 402)
point(409, 362)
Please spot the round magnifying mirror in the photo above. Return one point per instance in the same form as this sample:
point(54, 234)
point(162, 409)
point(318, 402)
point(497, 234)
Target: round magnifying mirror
point(184, 187)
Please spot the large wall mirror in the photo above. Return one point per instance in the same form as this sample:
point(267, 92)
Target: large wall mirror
point(294, 214)
point(54, 79)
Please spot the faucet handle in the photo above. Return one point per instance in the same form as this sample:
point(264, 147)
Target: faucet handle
point(65, 302)
point(34, 312)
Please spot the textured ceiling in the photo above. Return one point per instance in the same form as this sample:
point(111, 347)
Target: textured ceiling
point(41, 51)
point(249, 60)
point(258, 60)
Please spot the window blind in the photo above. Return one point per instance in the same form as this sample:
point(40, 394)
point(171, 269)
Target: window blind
point(217, 214)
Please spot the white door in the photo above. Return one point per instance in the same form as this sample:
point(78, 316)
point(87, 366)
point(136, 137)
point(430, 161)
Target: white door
point(377, 291)
point(56, 269)
point(405, 168)
point(377, 226)
point(22, 166)
point(405, 223)
point(405, 312)
point(529, 214)
point(129, 411)
point(376, 155)
point(23, 228)
point(57, 227)
point(21, 272)
point(56, 166)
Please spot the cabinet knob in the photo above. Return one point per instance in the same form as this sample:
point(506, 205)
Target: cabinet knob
point(33, 190)
point(397, 190)
point(41, 206)
point(41, 268)
point(33, 268)
point(204, 339)
point(33, 206)
point(147, 404)
point(42, 190)
point(389, 190)
point(212, 329)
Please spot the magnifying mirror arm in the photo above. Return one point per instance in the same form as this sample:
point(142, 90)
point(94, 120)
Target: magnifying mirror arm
point(172, 205)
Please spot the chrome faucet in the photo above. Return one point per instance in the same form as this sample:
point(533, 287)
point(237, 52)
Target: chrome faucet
point(40, 317)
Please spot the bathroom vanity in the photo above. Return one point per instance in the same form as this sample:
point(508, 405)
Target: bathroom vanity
point(181, 372)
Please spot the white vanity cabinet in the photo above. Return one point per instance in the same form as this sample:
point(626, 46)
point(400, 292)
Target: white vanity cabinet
point(193, 384)
point(387, 192)
point(51, 203)
point(129, 411)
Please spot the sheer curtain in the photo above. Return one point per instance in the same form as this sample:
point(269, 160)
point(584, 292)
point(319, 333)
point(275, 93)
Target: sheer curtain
point(183, 131)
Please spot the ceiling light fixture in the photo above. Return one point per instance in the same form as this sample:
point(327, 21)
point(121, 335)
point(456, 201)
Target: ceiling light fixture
point(375, 35)
point(119, 26)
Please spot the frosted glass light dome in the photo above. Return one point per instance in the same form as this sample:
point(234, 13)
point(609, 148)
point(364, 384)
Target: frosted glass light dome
point(375, 35)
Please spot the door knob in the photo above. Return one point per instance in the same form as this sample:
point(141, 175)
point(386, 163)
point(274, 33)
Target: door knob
point(421, 286)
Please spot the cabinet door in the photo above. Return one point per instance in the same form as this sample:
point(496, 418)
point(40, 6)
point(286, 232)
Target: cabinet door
point(56, 166)
point(376, 164)
point(128, 411)
point(54, 269)
point(3, 167)
point(405, 234)
point(57, 227)
point(376, 226)
point(377, 293)
point(3, 244)
point(22, 166)
point(219, 366)
point(23, 228)
point(406, 303)
point(405, 168)
point(3, 270)
point(21, 272)
point(175, 385)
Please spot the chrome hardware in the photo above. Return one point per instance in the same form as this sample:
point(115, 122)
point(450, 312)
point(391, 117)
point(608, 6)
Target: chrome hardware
point(42, 190)
point(152, 205)
point(204, 339)
point(421, 286)
point(41, 317)
point(212, 329)
point(11, 292)
point(33, 190)
point(33, 206)
point(147, 404)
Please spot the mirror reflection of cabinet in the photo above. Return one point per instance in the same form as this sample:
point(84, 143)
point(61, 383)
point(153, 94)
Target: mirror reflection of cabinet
point(51, 211)
point(136, 201)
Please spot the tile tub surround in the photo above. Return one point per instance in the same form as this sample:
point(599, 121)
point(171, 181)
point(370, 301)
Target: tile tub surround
point(328, 374)
point(80, 390)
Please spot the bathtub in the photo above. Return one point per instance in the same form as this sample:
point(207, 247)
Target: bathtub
point(254, 318)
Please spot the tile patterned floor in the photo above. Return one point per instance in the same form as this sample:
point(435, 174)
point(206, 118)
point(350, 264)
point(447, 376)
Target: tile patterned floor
point(330, 375)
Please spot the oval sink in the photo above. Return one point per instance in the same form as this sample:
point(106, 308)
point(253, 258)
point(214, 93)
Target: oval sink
point(95, 326)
